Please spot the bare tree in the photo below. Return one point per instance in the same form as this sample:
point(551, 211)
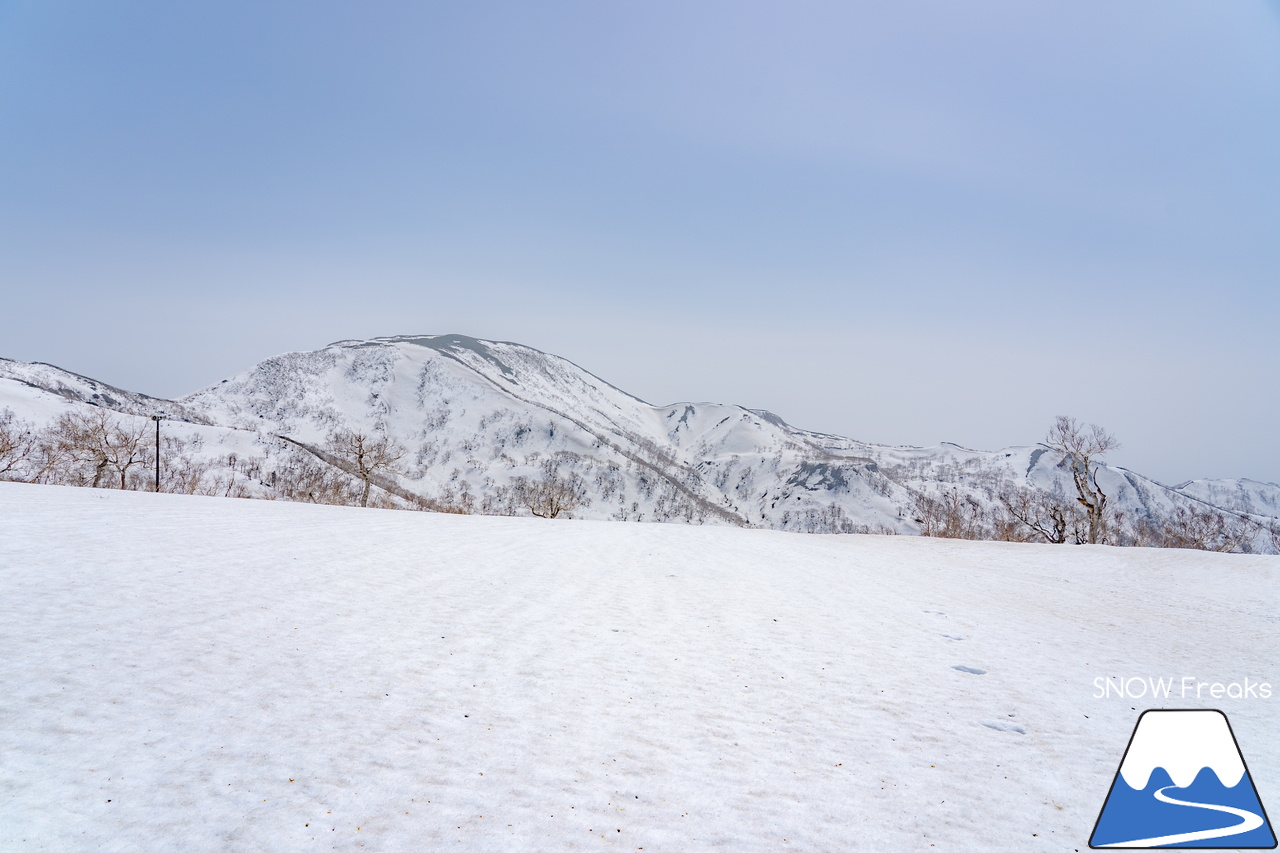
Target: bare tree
point(1081, 448)
point(311, 481)
point(1045, 515)
point(552, 494)
point(17, 446)
point(110, 445)
point(369, 455)
point(1203, 529)
point(951, 515)
point(183, 473)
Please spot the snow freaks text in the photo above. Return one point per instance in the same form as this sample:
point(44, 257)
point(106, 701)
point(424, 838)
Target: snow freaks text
point(1187, 687)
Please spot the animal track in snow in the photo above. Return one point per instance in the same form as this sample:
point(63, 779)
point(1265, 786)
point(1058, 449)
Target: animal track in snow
point(1006, 727)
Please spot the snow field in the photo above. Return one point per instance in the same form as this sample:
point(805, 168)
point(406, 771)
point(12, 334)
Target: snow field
point(204, 674)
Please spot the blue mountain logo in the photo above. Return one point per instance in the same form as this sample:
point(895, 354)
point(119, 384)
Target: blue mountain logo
point(1183, 783)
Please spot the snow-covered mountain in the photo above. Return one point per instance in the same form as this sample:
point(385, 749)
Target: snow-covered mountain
point(42, 391)
point(478, 416)
point(1242, 495)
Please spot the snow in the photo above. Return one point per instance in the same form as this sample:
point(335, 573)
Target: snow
point(1243, 495)
point(206, 674)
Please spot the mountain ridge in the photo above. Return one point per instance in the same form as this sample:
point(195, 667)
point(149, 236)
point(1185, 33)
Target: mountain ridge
point(479, 417)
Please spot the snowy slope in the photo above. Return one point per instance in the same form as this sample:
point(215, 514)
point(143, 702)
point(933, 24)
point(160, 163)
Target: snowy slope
point(204, 674)
point(479, 415)
point(1243, 495)
point(233, 461)
point(40, 391)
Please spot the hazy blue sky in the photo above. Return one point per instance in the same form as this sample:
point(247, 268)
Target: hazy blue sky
point(905, 222)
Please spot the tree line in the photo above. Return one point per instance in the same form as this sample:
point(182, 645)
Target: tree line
point(99, 448)
point(1084, 515)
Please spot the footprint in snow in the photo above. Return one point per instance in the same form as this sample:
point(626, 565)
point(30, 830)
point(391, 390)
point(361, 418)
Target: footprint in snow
point(972, 670)
point(1006, 727)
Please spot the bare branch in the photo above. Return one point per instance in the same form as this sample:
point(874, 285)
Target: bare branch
point(553, 494)
point(1081, 448)
point(370, 455)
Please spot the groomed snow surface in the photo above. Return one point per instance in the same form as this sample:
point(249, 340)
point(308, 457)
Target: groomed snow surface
point(205, 674)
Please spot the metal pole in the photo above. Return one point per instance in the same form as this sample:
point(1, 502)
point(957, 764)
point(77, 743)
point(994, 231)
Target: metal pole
point(156, 418)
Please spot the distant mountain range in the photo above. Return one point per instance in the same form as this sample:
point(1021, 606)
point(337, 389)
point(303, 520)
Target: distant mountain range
point(478, 416)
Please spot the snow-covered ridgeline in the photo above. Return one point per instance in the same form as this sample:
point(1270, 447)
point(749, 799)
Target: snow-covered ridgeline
point(475, 415)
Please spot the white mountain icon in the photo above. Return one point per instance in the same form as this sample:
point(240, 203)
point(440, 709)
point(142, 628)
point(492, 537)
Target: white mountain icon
point(1182, 783)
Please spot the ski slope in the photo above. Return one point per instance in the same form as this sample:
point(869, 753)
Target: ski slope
point(206, 674)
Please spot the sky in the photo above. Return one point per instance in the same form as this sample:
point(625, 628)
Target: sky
point(905, 223)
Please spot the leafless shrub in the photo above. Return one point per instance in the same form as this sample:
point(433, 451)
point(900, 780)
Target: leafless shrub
point(824, 519)
point(1037, 514)
point(308, 480)
point(228, 476)
point(498, 500)
point(1204, 529)
point(551, 494)
point(180, 474)
point(18, 448)
point(95, 448)
point(951, 515)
